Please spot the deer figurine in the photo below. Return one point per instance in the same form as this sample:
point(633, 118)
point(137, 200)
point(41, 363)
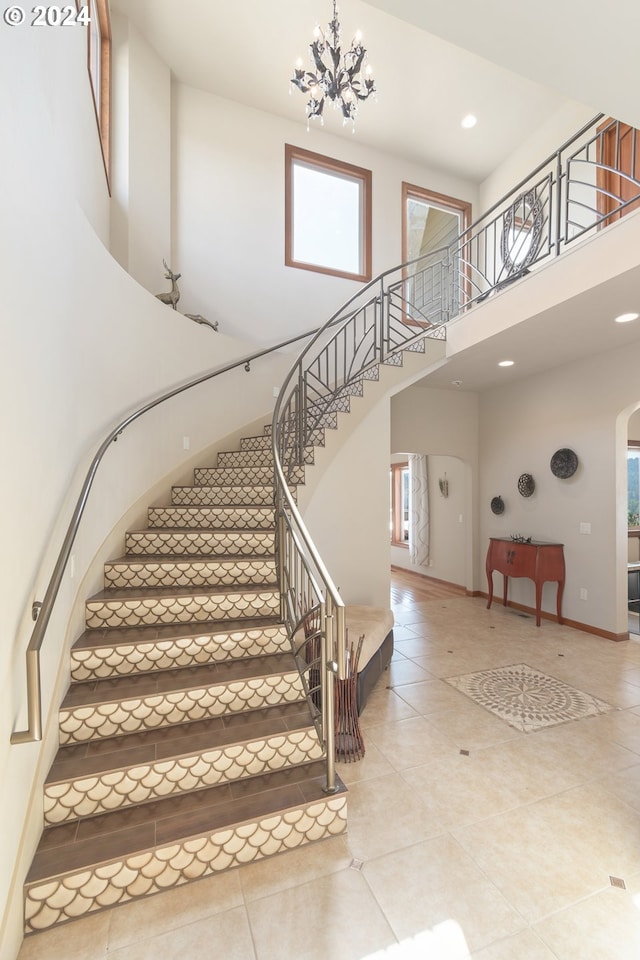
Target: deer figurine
point(174, 294)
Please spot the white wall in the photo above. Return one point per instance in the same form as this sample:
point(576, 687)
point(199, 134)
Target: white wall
point(584, 406)
point(229, 215)
point(141, 158)
point(543, 142)
point(348, 511)
point(444, 425)
point(449, 522)
point(82, 345)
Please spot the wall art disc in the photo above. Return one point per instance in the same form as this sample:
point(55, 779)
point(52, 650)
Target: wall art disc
point(564, 463)
point(497, 505)
point(526, 484)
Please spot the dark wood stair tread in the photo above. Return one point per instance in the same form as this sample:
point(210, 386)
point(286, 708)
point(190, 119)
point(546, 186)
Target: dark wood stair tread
point(159, 593)
point(132, 636)
point(86, 692)
point(114, 753)
point(112, 836)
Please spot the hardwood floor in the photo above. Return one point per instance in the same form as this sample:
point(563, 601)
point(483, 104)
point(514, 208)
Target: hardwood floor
point(410, 587)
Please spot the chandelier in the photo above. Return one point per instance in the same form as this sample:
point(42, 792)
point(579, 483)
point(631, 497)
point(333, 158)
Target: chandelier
point(335, 77)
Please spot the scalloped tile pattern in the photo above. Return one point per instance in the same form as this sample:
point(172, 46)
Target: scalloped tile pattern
point(86, 796)
point(80, 892)
point(118, 657)
point(117, 717)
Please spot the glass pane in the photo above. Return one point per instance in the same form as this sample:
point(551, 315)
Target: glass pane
point(326, 219)
point(633, 486)
point(405, 504)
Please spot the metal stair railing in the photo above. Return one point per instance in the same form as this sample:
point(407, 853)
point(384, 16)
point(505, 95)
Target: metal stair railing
point(42, 610)
point(588, 183)
point(581, 187)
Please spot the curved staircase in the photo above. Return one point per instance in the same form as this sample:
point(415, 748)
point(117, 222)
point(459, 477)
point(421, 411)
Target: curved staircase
point(186, 743)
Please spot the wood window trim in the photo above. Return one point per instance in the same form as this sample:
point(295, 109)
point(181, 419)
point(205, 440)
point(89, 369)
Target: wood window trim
point(332, 165)
point(609, 182)
point(444, 202)
point(396, 504)
point(100, 10)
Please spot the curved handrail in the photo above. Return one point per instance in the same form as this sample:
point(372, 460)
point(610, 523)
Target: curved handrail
point(533, 221)
point(42, 611)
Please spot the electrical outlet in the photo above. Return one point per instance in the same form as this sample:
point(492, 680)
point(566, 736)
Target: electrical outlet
point(186, 443)
point(583, 593)
point(585, 527)
point(276, 392)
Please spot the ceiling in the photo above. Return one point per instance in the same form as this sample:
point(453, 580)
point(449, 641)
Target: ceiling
point(425, 84)
point(511, 64)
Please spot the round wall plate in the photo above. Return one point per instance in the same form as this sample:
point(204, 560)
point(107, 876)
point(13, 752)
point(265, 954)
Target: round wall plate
point(497, 505)
point(564, 463)
point(526, 484)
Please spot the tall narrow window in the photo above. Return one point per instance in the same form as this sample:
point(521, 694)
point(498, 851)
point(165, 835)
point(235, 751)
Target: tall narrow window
point(399, 497)
point(328, 215)
point(99, 61)
point(431, 221)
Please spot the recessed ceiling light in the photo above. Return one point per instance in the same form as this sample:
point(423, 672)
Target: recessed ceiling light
point(506, 363)
point(456, 383)
point(627, 317)
point(468, 121)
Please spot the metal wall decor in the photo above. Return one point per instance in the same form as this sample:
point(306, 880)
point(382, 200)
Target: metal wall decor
point(564, 463)
point(333, 76)
point(522, 225)
point(526, 484)
point(497, 505)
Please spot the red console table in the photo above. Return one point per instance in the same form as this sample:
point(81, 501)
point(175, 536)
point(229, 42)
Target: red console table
point(536, 561)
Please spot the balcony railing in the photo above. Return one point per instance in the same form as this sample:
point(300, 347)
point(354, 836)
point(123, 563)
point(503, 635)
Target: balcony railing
point(588, 183)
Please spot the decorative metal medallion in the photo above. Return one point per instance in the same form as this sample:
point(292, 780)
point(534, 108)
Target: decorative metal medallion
point(526, 484)
point(527, 699)
point(497, 505)
point(522, 226)
point(564, 463)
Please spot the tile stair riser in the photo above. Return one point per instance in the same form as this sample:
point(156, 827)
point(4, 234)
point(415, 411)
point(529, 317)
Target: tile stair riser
point(239, 476)
point(207, 518)
point(200, 543)
point(189, 573)
point(117, 789)
point(123, 660)
point(222, 496)
point(247, 458)
point(81, 892)
point(115, 718)
point(124, 612)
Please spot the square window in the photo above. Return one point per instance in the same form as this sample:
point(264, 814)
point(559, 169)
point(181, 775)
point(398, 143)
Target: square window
point(328, 215)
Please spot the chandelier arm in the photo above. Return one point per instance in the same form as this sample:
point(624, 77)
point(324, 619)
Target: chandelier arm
point(337, 78)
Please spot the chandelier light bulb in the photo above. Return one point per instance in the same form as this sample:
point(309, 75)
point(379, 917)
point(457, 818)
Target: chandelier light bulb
point(333, 76)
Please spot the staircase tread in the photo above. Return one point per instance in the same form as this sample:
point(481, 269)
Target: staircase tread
point(221, 486)
point(100, 756)
point(165, 682)
point(203, 531)
point(131, 636)
point(111, 836)
point(158, 593)
point(172, 558)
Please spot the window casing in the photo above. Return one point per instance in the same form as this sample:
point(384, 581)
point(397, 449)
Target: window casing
point(399, 519)
point(327, 215)
point(99, 65)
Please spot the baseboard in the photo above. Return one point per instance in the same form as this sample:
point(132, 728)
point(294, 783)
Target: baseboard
point(575, 624)
point(425, 576)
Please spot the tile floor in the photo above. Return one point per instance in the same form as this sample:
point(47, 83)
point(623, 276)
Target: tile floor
point(467, 838)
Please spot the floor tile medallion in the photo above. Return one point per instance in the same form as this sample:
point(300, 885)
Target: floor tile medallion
point(527, 699)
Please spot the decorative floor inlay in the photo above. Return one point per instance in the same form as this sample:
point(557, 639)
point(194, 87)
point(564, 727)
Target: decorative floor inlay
point(527, 699)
